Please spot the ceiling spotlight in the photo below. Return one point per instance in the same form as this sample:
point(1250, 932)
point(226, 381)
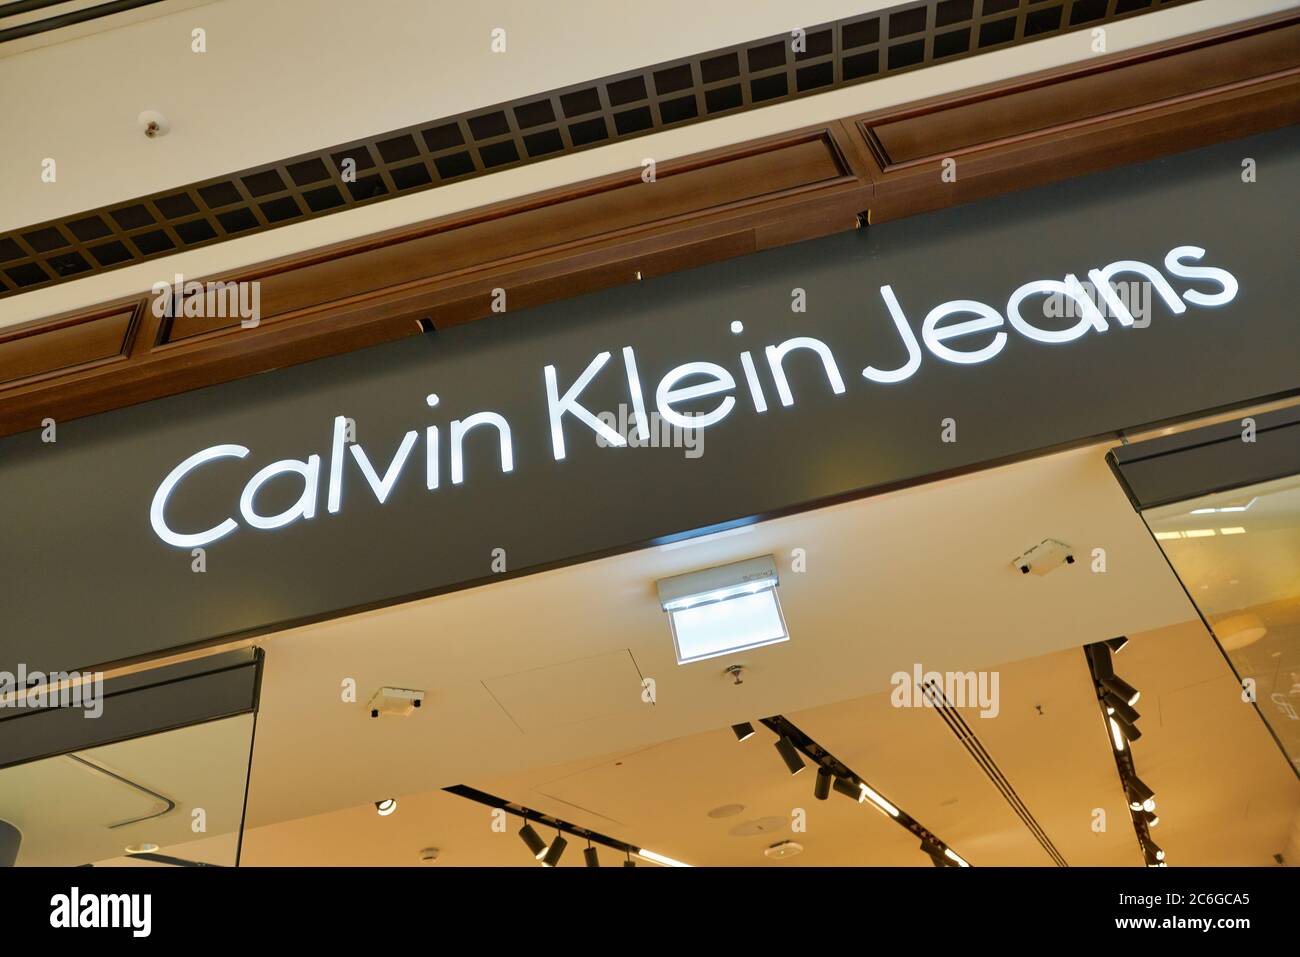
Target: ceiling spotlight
point(1101, 663)
point(847, 788)
point(1121, 689)
point(789, 754)
point(1116, 645)
point(590, 856)
point(722, 610)
point(952, 856)
point(1130, 731)
point(1140, 797)
point(1151, 818)
point(145, 848)
point(386, 807)
point(552, 855)
point(743, 731)
point(1116, 706)
point(822, 789)
point(1154, 855)
point(1116, 734)
point(536, 846)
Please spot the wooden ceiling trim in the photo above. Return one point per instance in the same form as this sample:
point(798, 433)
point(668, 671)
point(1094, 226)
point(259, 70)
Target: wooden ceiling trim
point(756, 73)
point(714, 205)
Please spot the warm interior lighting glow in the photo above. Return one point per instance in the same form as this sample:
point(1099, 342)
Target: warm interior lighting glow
point(1116, 735)
point(659, 859)
point(951, 855)
point(877, 800)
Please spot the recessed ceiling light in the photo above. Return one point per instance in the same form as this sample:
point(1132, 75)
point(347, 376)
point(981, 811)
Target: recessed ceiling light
point(142, 848)
point(783, 849)
point(723, 610)
point(726, 810)
point(386, 807)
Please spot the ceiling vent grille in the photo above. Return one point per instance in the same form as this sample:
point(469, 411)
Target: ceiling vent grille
point(449, 149)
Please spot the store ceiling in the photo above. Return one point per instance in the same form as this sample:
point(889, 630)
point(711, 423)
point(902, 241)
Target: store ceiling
point(916, 576)
point(1224, 795)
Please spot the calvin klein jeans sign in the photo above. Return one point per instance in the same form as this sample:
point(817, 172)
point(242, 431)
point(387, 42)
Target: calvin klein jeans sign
point(493, 438)
point(707, 380)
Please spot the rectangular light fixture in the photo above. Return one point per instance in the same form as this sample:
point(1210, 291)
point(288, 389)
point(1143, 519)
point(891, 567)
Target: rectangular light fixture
point(659, 859)
point(723, 610)
point(869, 795)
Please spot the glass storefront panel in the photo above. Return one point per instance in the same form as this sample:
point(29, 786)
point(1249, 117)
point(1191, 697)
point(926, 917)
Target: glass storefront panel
point(1238, 554)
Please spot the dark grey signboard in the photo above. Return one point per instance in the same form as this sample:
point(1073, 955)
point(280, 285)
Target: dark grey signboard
point(816, 372)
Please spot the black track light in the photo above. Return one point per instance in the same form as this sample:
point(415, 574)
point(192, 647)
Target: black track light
point(1130, 731)
point(552, 856)
point(629, 862)
point(590, 856)
point(848, 788)
point(1154, 855)
point(536, 846)
point(1151, 818)
point(822, 789)
point(935, 851)
point(1121, 689)
point(789, 754)
point(743, 731)
point(1116, 645)
point(1117, 707)
point(1140, 797)
point(1101, 661)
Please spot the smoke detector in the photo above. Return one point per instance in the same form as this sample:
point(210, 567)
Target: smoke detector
point(1046, 556)
point(398, 702)
point(783, 849)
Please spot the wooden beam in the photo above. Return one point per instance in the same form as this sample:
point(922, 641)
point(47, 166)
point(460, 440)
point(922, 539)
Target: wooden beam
point(1032, 130)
